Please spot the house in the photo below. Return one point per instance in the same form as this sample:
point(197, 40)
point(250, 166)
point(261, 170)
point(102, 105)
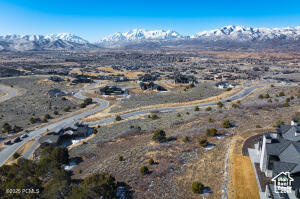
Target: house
point(151, 86)
point(280, 152)
point(81, 79)
point(148, 77)
point(66, 132)
point(56, 93)
point(225, 85)
point(184, 79)
point(111, 90)
point(55, 78)
point(50, 140)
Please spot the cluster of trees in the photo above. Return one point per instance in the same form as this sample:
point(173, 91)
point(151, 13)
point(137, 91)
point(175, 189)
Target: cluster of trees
point(47, 178)
point(7, 128)
point(86, 102)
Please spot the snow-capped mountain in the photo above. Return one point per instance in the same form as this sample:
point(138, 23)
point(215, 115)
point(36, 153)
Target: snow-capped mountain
point(51, 37)
point(243, 33)
point(66, 37)
point(60, 41)
point(141, 35)
point(227, 37)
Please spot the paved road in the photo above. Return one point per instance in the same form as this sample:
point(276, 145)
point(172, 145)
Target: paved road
point(11, 93)
point(241, 94)
point(10, 150)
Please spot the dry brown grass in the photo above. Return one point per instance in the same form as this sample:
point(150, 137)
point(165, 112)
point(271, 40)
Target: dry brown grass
point(244, 180)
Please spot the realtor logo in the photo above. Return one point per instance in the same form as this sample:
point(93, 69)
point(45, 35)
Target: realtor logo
point(283, 183)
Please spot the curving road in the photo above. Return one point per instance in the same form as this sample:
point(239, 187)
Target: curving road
point(10, 94)
point(10, 150)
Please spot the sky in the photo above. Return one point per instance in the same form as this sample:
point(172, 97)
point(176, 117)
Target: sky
point(94, 19)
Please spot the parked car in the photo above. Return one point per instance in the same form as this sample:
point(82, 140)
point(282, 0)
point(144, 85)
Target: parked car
point(24, 136)
point(8, 142)
point(17, 139)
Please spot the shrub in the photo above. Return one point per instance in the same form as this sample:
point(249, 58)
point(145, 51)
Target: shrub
point(34, 120)
point(220, 104)
point(203, 141)
point(292, 97)
point(208, 108)
point(144, 170)
point(64, 99)
point(95, 131)
point(260, 96)
point(82, 105)
point(196, 108)
point(159, 136)
point(287, 100)
point(17, 129)
point(118, 118)
point(197, 187)
point(192, 85)
point(286, 104)
point(187, 113)
point(235, 106)
point(239, 101)
point(68, 108)
point(6, 128)
point(178, 115)
point(210, 120)
point(270, 101)
point(281, 94)
point(55, 112)
point(154, 117)
point(47, 116)
point(186, 139)
point(151, 161)
point(88, 101)
point(226, 124)
point(228, 89)
point(276, 100)
point(121, 158)
point(267, 95)
point(211, 132)
point(16, 155)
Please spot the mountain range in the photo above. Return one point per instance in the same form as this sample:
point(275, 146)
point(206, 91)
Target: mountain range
point(224, 37)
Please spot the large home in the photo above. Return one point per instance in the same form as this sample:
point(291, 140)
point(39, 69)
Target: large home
point(151, 86)
point(279, 153)
point(66, 132)
point(56, 93)
point(111, 90)
point(56, 78)
point(225, 85)
point(184, 79)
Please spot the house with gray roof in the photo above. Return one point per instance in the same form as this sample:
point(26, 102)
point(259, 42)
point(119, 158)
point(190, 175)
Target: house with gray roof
point(280, 152)
point(65, 132)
